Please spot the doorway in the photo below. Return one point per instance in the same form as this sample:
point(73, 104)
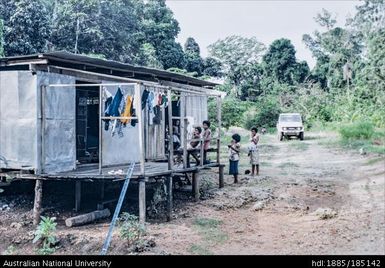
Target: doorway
point(87, 123)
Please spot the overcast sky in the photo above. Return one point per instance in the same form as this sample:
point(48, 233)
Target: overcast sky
point(210, 20)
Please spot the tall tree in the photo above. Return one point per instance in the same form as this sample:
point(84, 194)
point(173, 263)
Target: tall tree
point(239, 57)
point(160, 29)
point(212, 67)
point(76, 28)
point(193, 60)
point(280, 64)
point(26, 27)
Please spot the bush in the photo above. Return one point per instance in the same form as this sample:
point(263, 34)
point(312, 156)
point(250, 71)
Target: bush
point(45, 233)
point(130, 228)
point(358, 130)
point(263, 114)
point(232, 112)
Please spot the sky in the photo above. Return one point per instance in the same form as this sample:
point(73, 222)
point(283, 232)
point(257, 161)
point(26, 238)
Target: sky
point(210, 20)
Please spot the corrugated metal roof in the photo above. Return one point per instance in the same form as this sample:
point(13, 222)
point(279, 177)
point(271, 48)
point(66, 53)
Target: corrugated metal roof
point(76, 61)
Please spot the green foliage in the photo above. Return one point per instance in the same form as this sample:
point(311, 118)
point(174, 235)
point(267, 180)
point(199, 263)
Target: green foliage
point(264, 114)
point(26, 27)
point(280, 64)
point(45, 233)
point(210, 231)
point(358, 130)
point(130, 228)
point(232, 112)
point(212, 67)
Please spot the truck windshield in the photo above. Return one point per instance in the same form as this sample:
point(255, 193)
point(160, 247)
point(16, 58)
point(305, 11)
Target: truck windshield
point(290, 118)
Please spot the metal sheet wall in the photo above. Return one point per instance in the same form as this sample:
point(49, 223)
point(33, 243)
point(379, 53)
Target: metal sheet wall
point(120, 150)
point(18, 120)
point(59, 131)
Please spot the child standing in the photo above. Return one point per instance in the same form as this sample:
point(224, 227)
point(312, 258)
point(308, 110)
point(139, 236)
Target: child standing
point(234, 150)
point(254, 151)
point(207, 139)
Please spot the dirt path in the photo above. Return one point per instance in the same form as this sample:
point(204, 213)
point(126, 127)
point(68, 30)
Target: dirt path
point(297, 179)
point(308, 199)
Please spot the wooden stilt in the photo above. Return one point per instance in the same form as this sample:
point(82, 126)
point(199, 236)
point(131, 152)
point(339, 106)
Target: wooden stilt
point(195, 185)
point(37, 202)
point(101, 203)
point(169, 198)
point(142, 201)
point(78, 195)
point(221, 177)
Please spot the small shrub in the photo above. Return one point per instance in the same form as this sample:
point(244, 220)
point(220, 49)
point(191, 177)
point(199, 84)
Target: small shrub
point(45, 233)
point(130, 228)
point(358, 130)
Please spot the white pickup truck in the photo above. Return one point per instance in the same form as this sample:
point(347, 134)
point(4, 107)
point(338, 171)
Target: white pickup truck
point(290, 124)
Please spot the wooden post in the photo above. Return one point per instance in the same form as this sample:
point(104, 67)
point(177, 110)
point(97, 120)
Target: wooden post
point(78, 195)
point(170, 132)
point(37, 202)
point(201, 152)
point(219, 120)
point(141, 126)
point(184, 127)
point(221, 177)
point(169, 198)
point(142, 201)
point(195, 185)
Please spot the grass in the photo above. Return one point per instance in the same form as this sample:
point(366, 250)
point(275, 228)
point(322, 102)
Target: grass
point(199, 250)
point(374, 160)
point(211, 233)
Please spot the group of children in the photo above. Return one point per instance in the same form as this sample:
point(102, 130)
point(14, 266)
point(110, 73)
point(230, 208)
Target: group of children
point(194, 145)
point(234, 148)
point(253, 153)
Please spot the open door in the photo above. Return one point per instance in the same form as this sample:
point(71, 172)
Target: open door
point(87, 124)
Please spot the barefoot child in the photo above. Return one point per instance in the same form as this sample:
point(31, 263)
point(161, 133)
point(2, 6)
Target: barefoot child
point(234, 149)
point(254, 151)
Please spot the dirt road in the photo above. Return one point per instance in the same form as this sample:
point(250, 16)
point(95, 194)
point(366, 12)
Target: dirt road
point(309, 198)
point(284, 214)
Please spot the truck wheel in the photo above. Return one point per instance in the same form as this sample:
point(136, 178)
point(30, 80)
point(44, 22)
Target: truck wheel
point(301, 136)
point(280, 136)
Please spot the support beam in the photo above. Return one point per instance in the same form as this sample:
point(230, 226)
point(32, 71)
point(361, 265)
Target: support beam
point(78, 195)
point(170, 132)
point(169, 198)
point(139, 114)
point(195, 185)
point(37, 202)
point(219, 120)
point(142, 201)
point(221, 177)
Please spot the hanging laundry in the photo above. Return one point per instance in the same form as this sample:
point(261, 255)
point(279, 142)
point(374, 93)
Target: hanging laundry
point(144, 98)
point(127, 110)
point(160, 99)
point(157, 115)
point(164, 100)
point(113, 109)
point(150, 101)
point(133, 114)
point(155, 101)
point(107, 104)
